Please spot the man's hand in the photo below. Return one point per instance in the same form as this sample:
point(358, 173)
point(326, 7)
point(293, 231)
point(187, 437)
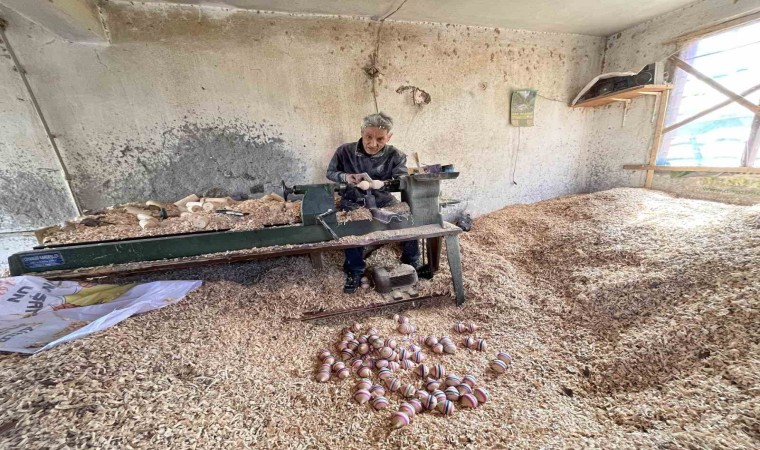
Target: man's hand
point(353, 178)
point(356, 178)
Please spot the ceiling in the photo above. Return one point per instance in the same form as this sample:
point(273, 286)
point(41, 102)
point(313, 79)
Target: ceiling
point(591, 17)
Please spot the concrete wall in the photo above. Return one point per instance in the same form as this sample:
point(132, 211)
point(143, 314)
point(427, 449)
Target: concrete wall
point(32, 192)
point(191, 100)
point(612, 144)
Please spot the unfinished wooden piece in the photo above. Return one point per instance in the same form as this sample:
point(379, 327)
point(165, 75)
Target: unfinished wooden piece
point(218, 200)
point(194, 206)
point(273, 197)
point(364, 185)
point(199, 221)
point(190, 198)
point(148, 223)
point(662, 109)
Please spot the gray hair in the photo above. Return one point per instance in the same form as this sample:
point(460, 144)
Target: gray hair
point(378, 120)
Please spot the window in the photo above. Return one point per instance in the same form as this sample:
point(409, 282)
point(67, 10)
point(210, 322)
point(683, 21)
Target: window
point(699, 133)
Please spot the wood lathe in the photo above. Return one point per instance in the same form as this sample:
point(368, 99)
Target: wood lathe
point(318, 231)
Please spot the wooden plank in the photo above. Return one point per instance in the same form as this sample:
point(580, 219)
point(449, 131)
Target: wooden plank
point(625, 94)
point(717, 28)
point(691, 168)
point(708, 110)
point(686, 67)
point(662, 107)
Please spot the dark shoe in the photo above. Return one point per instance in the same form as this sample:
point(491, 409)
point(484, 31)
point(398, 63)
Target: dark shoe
point(353, 281)
point(424, 272)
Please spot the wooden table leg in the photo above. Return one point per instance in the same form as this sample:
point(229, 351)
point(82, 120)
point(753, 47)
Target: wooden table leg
point(455, 265)
point(433, 247)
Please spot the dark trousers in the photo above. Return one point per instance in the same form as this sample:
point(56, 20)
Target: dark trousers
point(354, 262)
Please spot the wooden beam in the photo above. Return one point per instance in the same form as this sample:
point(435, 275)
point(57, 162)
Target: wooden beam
point(708, 111)
point(415, 301)
point(691, 168)
point(717, 28)
point(753, 145)
point(662, 107)
point(683, 65)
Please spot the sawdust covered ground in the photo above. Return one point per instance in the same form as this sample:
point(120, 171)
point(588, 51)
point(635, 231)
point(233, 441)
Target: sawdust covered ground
point(632, 318)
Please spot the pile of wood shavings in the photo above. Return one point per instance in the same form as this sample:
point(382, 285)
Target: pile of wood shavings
point(631, 316)
point(119, 224)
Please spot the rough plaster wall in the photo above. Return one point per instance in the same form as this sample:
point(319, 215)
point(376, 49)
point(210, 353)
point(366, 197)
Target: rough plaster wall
point(632, 49)
point(73, 20)
point(469, 73)
point(32, 192)
point(193, 100)
point(612, 145)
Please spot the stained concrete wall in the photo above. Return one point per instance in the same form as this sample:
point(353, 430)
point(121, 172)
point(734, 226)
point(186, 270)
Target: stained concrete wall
point(612, 144)
point(192, 100)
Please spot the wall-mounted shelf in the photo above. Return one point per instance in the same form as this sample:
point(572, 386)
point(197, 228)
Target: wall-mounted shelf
point(623, 96)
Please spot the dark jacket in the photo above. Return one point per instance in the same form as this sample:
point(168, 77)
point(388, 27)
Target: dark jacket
point(351, 158)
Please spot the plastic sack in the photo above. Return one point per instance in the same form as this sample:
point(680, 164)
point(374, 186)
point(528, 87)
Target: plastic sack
point(37, 314)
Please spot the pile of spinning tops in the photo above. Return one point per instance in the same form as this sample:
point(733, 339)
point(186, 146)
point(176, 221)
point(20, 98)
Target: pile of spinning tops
point(379, 362)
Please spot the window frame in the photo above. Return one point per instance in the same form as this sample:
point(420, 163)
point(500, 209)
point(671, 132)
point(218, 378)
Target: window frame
point(681, 69)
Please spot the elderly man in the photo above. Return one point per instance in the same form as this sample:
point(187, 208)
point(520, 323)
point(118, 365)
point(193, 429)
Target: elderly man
point(371, 155)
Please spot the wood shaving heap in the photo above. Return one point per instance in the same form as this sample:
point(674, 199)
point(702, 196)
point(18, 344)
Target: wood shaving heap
point(119, 224)
point(632, 318)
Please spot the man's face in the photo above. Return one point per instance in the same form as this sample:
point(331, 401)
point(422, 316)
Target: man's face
point(374, 139)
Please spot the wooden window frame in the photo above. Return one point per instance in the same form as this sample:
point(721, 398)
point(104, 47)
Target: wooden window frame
point(753, 142)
